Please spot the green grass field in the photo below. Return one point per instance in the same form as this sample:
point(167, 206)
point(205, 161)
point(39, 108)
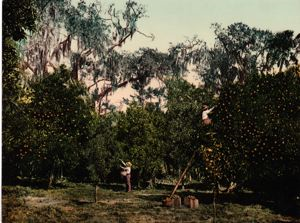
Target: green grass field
point(76, 203)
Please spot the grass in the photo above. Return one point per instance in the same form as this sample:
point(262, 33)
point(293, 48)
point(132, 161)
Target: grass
point(75, 203)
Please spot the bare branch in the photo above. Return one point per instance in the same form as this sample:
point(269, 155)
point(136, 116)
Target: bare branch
point(98, 81)
point(86, 52)
point(120, 42)
point(109, 89)
point(148, 36)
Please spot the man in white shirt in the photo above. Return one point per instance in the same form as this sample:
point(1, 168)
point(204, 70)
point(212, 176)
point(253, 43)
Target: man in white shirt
point(126, 172)
point(205, 118)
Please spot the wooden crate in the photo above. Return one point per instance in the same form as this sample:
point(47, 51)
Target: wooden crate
point(177, 201)
point(174, 201)
point(168, 202)
point(191, 202)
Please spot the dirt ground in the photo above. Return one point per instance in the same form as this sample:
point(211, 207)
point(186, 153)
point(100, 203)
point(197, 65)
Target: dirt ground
point(76, 203)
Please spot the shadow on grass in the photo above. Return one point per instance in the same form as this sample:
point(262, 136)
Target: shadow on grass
point(41, 183)
point(82, 202)
point(32, 183)
point(153, 197)
point(113, 187)
point(282, 207)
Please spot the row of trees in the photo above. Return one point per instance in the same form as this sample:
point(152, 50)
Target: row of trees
point(256, 129)
point(51, 128)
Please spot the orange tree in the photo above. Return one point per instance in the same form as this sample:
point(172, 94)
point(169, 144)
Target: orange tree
point(58, 127)
point(258, 126)
point(184, 130)
point(14, 27)
point(139, 139)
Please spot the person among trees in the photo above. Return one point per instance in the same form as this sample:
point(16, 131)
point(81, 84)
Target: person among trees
point(205, 118)
point(126, 173)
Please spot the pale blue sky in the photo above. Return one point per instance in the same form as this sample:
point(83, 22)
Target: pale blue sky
point(174, 20)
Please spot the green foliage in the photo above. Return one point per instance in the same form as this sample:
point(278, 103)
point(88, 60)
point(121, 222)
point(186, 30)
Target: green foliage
point(185, 132)
point(152, 140)
point(241, 51)
point(58, 127)
point(281, 47)
point(95, 31)
point(22, 19)
point(145, 65)
point(238, 52)
point(139, 138)
point(102, 155)
point(85, 22)
point(134, 136)
point(258, 127)
point(11, 77)
point(14, 27)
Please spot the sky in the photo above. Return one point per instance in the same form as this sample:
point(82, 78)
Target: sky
point(176, 20)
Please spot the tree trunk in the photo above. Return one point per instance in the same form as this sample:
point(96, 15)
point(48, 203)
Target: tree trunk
point(139, 177)
point(51, 179)
point(215, 194)
point(96, 192)
point(152, 182)
point(61, 173)
point(75, 69)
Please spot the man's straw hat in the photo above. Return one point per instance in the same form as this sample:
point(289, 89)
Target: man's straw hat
point(205, 107)
point(128, 164)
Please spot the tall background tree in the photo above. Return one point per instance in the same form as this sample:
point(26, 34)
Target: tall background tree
point(85, 37)
point(241, 51)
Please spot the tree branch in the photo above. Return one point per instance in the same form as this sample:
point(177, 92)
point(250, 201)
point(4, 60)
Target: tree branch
point(120, 42)
point(148, 36)
point(109, 89)
point(45, 5)
point(89, 87)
